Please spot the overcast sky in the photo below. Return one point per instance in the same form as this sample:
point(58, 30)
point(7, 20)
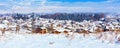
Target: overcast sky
point(26, 6)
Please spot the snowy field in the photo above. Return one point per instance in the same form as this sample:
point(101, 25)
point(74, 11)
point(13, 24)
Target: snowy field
point(24, 40)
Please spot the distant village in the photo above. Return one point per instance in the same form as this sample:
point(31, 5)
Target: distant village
point(60, 23)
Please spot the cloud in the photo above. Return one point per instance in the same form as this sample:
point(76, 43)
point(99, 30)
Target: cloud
point(3, 4)
point(4, 11)
point(113, 1)
point(43, 2)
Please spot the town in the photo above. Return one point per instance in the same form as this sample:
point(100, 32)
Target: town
point(98, 25)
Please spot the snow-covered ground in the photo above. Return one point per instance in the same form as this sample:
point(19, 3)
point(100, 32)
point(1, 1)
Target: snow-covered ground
point(24, 40)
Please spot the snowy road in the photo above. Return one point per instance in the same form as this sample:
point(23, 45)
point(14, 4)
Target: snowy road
point(23, 40)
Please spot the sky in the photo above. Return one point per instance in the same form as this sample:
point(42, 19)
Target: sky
point(43, 6)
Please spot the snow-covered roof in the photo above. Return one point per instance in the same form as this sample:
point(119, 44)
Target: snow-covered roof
point(60, 29)
point(3, 26)
point(5, 21)
point(12, 26)
point(43, 28)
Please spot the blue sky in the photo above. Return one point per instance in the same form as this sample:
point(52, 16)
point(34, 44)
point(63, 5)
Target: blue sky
point(78, 0)
point(26, 6)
